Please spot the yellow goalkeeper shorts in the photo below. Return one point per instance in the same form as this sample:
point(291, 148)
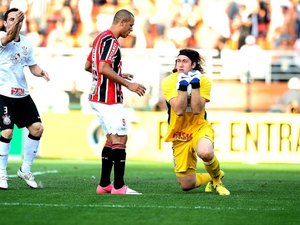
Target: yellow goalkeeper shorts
point(184, 153)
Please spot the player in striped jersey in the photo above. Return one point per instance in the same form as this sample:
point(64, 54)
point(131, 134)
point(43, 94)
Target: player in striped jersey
point(186, 91)
point(106, 97)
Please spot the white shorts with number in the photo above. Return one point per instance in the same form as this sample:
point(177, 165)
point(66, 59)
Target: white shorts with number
point(112, 118)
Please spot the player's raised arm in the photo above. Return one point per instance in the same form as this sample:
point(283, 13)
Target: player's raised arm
point(179, 103)
point(197, 102)
point(13, 26)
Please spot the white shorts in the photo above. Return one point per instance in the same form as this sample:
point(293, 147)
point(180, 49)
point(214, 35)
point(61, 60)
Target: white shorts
point(112, 118)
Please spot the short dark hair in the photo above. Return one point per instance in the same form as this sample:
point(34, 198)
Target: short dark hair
point(9, 11)
point(123, 15)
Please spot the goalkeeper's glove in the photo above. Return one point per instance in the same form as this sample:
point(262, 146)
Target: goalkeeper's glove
point(195, 78)
point(183, 81)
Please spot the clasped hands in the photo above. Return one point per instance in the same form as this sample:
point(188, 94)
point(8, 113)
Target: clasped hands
point(192, 78)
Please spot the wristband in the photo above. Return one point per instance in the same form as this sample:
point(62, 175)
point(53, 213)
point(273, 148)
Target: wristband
point(182, 88)
point(195, 85)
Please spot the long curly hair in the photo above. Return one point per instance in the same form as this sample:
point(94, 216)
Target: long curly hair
point(195, 57)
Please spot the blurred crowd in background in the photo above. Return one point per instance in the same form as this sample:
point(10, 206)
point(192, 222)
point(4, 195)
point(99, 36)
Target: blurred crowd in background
point(245, 25)
point(208, 24)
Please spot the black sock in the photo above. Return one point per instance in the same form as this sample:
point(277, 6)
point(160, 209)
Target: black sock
point(119, 158)
point(106, 165)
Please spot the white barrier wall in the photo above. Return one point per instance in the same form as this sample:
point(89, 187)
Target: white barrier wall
point(239, 137)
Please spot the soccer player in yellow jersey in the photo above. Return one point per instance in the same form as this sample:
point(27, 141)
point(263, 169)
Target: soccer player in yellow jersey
point(186, 92)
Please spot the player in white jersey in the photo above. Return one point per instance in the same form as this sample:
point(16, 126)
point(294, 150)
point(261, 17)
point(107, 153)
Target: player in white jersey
point(16, 105)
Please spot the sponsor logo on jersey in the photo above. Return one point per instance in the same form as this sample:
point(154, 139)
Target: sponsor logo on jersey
point(17, 91)
point(182, 136)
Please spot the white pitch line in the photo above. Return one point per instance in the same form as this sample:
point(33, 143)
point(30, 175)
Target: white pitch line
point(38, 173)
point(136, 206)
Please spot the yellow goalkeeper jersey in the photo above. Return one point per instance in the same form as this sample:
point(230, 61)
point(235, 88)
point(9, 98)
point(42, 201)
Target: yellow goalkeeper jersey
point(182, 128)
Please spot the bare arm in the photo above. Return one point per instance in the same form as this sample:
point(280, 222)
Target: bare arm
point(13, 31)
point(88, 66)
point(37, 71)
point(179, 103)
point(197, 102)
point(107, 71)
point(127, 76)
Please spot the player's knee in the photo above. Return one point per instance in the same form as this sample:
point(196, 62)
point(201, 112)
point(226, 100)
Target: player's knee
point(206, 154)
point(187, 186)
point(8, 133)
point(186, 181)
point(36, 129)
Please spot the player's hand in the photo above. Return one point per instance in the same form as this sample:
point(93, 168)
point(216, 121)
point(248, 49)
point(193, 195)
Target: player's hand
point(127, 76)
point(45, 75)
point(137, 88)
point(195, 76)
point(20, 16)
point(183, 81)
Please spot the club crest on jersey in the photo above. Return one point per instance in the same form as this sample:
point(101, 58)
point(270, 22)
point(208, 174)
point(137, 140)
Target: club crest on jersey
point(15, 58)
point(6, 120)
point(25, 50)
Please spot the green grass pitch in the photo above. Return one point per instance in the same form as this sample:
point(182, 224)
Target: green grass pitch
point(262, 194)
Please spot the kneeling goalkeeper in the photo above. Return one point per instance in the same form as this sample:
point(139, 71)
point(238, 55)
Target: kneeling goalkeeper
point(186, 92)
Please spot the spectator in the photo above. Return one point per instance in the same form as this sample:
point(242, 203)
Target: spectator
point(58, 38)
point(289, 102)
point(284, 33)
point(2, 28)
point(252, 60)
point(33, 34)
point(244, 18)
point(260, 24)
point(297, 8)
point(196, 24)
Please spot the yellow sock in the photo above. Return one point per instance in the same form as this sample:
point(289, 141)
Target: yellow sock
point(202, 178)
point(213, 168)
